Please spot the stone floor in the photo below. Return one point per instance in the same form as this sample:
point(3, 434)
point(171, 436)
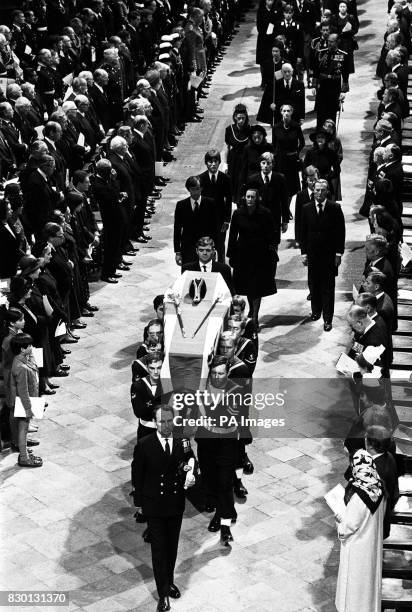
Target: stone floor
point(69, 525)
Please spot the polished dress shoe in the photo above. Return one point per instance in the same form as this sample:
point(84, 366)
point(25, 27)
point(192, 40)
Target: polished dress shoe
point(225, 535)
point(110, 279)
point(156, 196)
point(131, 250)
point(92, 308)
point(196, 119)
point(147, 236)
point(239, 489)
point(60, 373)
point(66, 351)
point(200, 110)
point(174, 591)
point(64, 367)
point(78, 325)
point(48, 392)
point(248, 467)
point(327, 327)
point(202, 95)
point(75, 336)
point(214, 524)
point(53, 386)
point(142, 240)
point(117, 275)
point(67, 339)
point(122, 266)
point(87, 313)
point(314, 317)
point(131, 253)
point(126, 263)
point(31, 442)
point(163, 604)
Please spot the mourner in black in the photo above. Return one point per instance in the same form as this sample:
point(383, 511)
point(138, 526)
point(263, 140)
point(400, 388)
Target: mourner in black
point(205, 250)
point(322, 247)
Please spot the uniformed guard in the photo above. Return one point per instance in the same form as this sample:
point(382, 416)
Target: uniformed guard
point(217, 444)
point(319, 43)
point(145, 393)
point(331, 80)
point(161, 473)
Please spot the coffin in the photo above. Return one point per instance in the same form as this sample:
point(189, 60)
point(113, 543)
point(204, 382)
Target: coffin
point(188, 352)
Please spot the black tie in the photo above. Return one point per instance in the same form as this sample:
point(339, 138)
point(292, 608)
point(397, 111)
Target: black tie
point(196, 207)
point(213, 179)
point(266, 180)
point(167, 447)
point(320, 209)
point(204, 268)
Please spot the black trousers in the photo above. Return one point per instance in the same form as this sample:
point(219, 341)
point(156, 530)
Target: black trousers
point(164, 541)
point(321, 280)
point(217, 460)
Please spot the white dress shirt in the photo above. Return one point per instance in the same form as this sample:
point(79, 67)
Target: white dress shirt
point(163, 442)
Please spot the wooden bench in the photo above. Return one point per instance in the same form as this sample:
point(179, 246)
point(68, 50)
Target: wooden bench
point(402, 361)
point(396, 593)
point(404, 311)
point(402, 343)
point(400, 538)
point(402, 513)
point(397, 564)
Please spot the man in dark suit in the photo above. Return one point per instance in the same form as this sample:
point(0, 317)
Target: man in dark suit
point(11, 133)
point(110, 199)
point(205, 249)
point(159, 476)
point(303, 197)
point(144, 154)
point(290, 91)
point(322, 247)
point(40, 199)
point(99, 98)
point(274, 193)
point(393, 171)
point(118, 149)
point(22, 108)
point(52, 133)
point(82, 123)
point(216, 185)
point(374, 283)
point(369, 333)
point(375, 250)
point(194, 217)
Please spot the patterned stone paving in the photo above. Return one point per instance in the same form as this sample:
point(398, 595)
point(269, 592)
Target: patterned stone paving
point(69, 525)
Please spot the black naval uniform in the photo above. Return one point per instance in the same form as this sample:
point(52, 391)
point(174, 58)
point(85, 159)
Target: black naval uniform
point(331, 77)
point(158, 479)
point(217, 449)
point(144, 399)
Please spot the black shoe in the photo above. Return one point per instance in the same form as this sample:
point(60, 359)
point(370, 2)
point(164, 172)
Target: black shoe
point(234, 517)
point(147, 236)
point(87, 313)
point(31, 442)
point(54, 386)
point(121, 266)
point(141, 239)
point(126, 263)
point(130, 254)
point(163, 604)
point(214, 524)
point(327, 327)
point(60, 373)
point(174, 591)
point(64, 367)
point(109, 279)
point(92, 308)
point(78, 325)
point(116, 275)
point(199, 109)
point(225, 535)
point(309, 297)
point(48, 392)
point(248, 467)
point(196, 119)
point(140, 518)
point(314, 317)
point(67, 339)
point(240, 490)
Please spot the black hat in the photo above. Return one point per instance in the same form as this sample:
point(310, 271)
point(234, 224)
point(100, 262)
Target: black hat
point(318, 132)
point(258, 128)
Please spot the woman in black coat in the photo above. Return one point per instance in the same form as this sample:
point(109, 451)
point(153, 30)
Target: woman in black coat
point(236, 138)
point(288, 140)
point(257, 145)
point(252, 251)
point(269, 12)
point(324, 159)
